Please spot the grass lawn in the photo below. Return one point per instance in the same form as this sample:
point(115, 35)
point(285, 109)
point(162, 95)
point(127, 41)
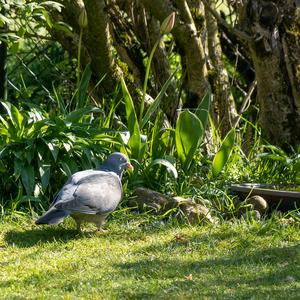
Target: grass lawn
point(138, 260)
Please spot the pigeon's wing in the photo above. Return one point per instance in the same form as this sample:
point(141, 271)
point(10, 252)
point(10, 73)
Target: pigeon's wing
point(96, 193)
point(67, 191)
point(57, 212)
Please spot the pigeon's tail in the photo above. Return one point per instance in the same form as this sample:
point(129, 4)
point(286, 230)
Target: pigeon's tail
point(53, 216)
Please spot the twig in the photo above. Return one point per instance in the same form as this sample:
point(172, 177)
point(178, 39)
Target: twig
point(246, 103)
point(240, 34)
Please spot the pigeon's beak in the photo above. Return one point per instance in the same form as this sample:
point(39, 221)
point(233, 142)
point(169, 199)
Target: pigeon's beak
point(130, 167)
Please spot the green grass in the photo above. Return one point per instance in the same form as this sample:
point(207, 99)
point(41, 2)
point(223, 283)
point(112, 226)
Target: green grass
point(135, 259)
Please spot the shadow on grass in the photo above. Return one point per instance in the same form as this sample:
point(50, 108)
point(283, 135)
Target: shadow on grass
point(25, 238)
point(161, 269)
point(272, 272)
point(32, 237)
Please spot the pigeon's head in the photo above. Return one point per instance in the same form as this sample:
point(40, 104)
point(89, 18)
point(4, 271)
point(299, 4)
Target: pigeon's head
point(118, 162)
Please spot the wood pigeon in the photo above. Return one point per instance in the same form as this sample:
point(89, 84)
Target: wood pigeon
point(90, 195)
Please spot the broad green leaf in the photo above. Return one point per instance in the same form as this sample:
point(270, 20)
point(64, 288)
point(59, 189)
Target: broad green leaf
point(44, 170)
point(47, 18)
point(60, 124)
point(3, 121)
point(65, 169)
point(188, 135)
point(83, 87)
point(75, 115)
point(14, 114)
point(223, 154)
point(155, 104)
point(27, 176)
point(54, 149)
point(156, 136)
point(29, 152)
point(4, 133)
point(18, 166)
point(61, 26)
point(2, 167)
point(166, 163)
point(166, 135)
point(67, 146)
point(296, 166)
point(272, 156)
point(132, 123)
point(4, 20)
point(69, 166)
point(52, 4)
point(37, 129)
point(202, 111)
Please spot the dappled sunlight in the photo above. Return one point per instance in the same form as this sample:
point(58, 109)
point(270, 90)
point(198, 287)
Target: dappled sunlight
point(132, 261)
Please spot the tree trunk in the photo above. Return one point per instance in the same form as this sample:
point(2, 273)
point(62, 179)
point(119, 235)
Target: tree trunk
point(189, 44)
point(162, 71)
point(132, 44)
point(274, 28)
point(100, 44)
point(3, 73)
point(223, 102)
point(97, 44)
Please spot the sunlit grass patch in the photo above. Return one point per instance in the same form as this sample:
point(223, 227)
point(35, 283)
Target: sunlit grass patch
point(139, 260)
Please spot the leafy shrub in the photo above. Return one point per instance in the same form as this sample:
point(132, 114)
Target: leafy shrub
point(38, 151)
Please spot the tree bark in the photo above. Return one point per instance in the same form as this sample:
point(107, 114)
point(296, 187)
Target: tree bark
point(69, 40)
point(136, 35)
point(162, 71)
point(189, 44)
point(3, 77)
point(99, 44)
point(223, 102)
point(269, 23)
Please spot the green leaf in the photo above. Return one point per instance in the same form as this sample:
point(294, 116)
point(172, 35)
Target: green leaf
point(61, 26)
point(52, 4)
point(223, 154)
point(4, 20)
point(47, 18)
point(27, 176)
point(44, 170)
point(83, 87)
point(68, 167)
point(29, 152)
point(18, 166)
point(188, 135)
point(202, 111)
point(156, 136)
point(54, 149)
point(37, 129)
point(76, 115)
point(67, 146)
point(166, 163)
point(3, 121)
point(14, 114)
point(132, 123)
point(155, 104)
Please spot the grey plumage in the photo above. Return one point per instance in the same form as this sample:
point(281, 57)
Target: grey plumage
point(90, 195)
